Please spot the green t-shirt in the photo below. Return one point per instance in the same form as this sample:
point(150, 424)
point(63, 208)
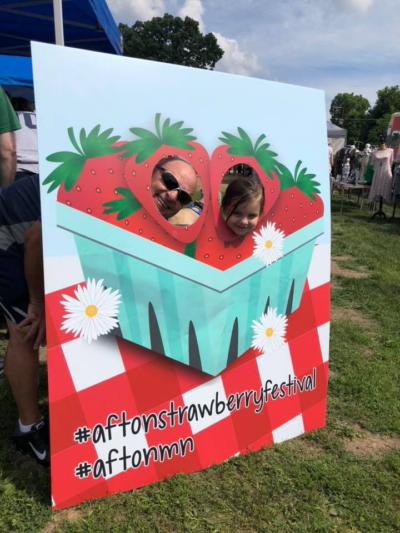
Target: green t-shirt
point(8, 118)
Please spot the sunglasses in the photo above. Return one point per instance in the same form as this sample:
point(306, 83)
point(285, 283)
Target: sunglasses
point(172, 184)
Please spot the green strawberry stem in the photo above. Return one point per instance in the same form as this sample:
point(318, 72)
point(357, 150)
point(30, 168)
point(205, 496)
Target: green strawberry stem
point(124, 207)
point(95, 144)
point(242, 145)
point(148, 142)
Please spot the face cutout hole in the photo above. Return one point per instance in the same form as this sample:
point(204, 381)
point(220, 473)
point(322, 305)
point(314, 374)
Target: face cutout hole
point(241, 199)
point(177, 191)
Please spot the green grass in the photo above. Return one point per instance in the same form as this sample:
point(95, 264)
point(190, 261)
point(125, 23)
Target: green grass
point(310, 484)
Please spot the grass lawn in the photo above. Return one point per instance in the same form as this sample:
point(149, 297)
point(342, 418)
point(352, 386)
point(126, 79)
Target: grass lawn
point(343, 478)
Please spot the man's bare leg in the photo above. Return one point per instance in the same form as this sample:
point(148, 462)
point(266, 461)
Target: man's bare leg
point(21, 368)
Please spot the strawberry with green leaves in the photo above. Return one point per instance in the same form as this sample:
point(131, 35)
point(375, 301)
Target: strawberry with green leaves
point(240, 149)
point(291, 201)
point(91, 180)
point(299, 204)
point(147, 150)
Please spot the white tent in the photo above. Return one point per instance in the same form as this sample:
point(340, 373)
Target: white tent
point(336, 136)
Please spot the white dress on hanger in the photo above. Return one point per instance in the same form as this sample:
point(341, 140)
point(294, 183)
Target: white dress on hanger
point(382, 180)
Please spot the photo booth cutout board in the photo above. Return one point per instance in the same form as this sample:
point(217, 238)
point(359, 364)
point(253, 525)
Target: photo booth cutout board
point(204, 345)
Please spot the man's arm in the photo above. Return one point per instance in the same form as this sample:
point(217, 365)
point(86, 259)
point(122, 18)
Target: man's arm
point(8, 158)
point(34, 323)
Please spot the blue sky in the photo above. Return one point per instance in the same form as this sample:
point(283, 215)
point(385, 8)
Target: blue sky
point(334, 45)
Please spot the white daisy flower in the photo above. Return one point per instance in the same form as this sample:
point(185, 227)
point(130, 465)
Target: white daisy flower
point(268, 244)
point(93, 312)
point(270, 332)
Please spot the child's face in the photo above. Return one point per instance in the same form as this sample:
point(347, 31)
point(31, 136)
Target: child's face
point(244, 218)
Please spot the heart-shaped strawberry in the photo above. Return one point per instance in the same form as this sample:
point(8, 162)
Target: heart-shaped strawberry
point(241, 150)
point(145, 152)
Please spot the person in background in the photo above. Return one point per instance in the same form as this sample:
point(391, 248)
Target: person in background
point(22, 303)
point(26, 139)
point(330, 158)
point(8, 125)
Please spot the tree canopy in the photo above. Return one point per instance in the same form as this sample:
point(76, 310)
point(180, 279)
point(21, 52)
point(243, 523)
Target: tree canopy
point(363, 122)
point(349, 111)
point(171, 40)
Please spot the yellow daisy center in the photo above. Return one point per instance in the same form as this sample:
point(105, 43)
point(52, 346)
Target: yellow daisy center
point(91, 311)
point(268, 244)
point(269, 332)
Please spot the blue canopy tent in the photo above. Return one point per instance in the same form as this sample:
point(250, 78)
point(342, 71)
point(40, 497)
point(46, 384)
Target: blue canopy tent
point(86, 24)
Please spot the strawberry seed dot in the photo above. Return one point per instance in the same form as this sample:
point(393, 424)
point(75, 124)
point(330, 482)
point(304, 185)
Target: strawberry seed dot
point(110, 170)
point(317, 211)
point(98, 190)
point(220, 156)
point(301, 205)
point(144, 215)
point(133, 173)
point(115, 191)
point(293, 219)
point(140, 231)
point(304, 216)
point(266, 180)
point(78, 189)
point(221, 257)
point(286, 208)
point(146, 165)
point(206, 256)
point(210, 239)
point(292, 196)
point(89, 210)
point(201, 159)
point(126, 222)
point(239, 256)
point(93, 171)
point(68, 202)
point(153, 239)
point(148, 187)
point(272, 191)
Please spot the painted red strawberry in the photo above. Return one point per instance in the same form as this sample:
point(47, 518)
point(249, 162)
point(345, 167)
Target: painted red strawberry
point(92, 180)
point(296, 205)
point(241, 150)
point(146, 151)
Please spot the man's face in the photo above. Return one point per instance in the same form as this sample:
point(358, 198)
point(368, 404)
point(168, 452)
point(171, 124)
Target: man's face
point(166, 201)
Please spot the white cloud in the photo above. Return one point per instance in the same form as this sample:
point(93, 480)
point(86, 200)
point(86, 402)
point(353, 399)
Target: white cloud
point(234, 60)
point(128, 11)
point(193, 9)
point(356, 5)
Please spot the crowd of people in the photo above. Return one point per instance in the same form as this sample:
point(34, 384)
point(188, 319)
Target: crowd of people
point(174, 186)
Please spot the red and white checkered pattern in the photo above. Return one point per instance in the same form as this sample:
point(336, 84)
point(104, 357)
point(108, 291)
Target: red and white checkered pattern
point(89, 382)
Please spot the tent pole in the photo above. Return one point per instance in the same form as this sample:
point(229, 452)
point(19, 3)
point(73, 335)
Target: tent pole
point(58, 22)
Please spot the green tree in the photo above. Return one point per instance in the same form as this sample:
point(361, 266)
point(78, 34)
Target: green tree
point(387, 103)
point(349, 111)
point(171, 40)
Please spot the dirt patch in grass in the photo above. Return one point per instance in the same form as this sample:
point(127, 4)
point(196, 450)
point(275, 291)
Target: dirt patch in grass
point(337, 270)
point(342, 257)
point(370, 444)
point(343, 313)
point(69, 515)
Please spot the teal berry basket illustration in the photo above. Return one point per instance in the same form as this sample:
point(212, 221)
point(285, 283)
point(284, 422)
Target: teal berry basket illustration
point(184, 309)
point(186, 292)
